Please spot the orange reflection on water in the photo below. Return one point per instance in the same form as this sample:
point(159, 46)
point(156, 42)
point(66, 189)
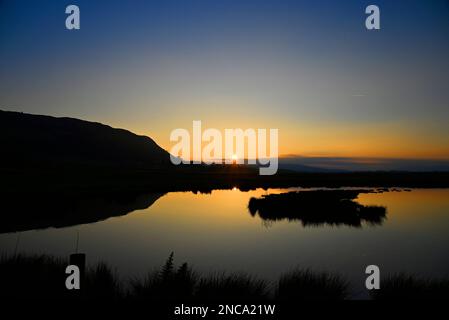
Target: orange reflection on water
point(417, 205)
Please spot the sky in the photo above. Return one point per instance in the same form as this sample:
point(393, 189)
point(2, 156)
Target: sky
point(308, 68)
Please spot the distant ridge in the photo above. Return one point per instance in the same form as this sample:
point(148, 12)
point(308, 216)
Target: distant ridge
point(39, 140)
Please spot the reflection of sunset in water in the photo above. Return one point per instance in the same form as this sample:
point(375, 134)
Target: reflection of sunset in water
point(220, 208)
point(216, 232)
point(416, 206)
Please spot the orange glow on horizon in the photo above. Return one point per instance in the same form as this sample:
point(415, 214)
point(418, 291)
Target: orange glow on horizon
point(396, 140)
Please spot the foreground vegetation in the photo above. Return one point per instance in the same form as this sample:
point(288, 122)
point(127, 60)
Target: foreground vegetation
point(407, 287)
point(44, 277)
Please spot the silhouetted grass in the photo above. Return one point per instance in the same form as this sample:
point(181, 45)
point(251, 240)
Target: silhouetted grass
point(231, 287)
point(43, 277)
point(166, 283)
point(102, 282)
point(183, 284)
point(307, 285)
point(409, 287)
point(32, 276)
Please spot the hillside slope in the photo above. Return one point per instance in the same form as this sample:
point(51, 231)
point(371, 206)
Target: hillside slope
point(30, 140)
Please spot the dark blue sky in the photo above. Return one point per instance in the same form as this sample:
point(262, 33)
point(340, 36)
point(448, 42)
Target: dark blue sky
point(309, 68)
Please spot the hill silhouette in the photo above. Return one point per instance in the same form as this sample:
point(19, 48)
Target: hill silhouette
point(58, 210)
point(44, 141)
point(54, 155)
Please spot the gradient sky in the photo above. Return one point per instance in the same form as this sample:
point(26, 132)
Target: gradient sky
point(308, 68)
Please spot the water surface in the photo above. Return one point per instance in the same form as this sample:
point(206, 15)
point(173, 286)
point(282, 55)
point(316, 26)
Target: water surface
point(216, 232)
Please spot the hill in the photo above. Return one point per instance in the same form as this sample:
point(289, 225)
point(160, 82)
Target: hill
point(44, 141)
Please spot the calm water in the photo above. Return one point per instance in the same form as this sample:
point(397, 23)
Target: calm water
point(215, 232)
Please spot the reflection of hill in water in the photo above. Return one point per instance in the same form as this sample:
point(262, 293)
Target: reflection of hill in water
point(59, 210)
point(319, 207)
